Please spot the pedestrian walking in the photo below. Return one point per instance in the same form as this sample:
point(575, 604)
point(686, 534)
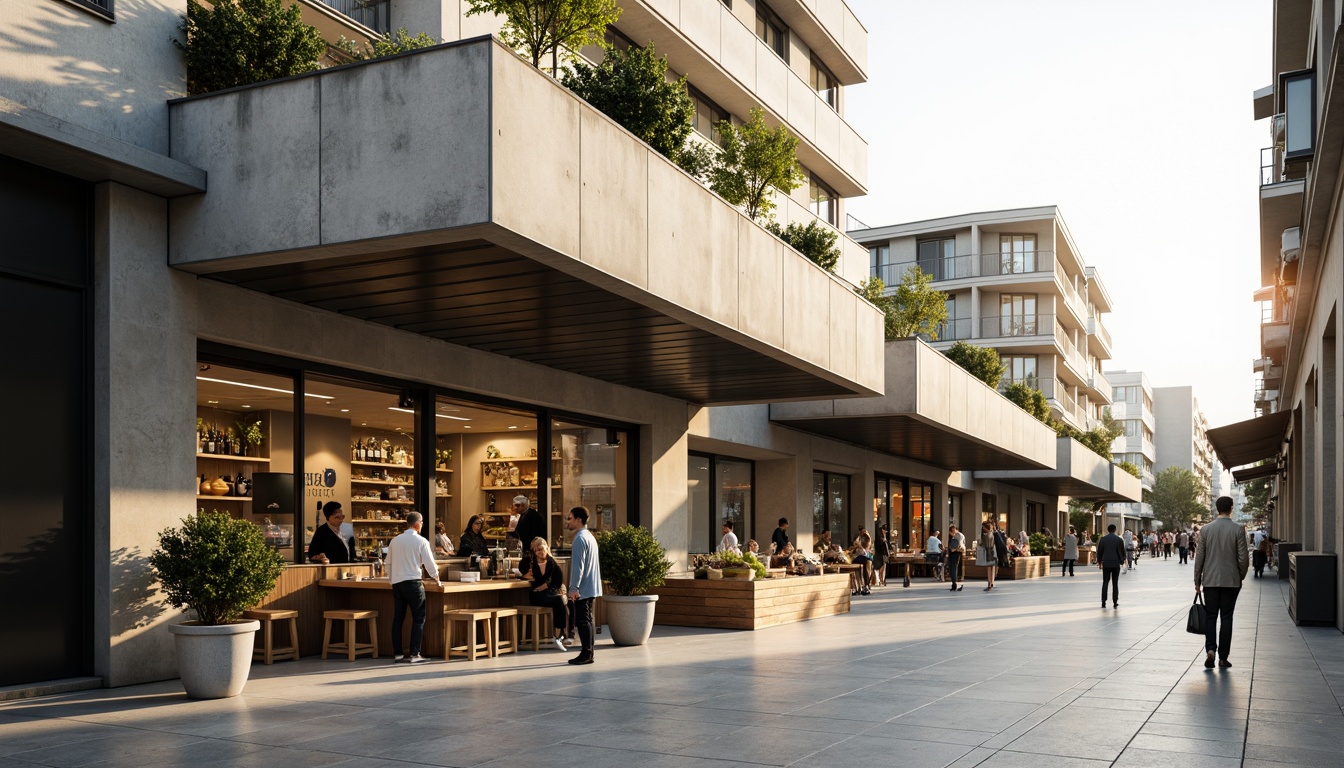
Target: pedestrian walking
point(881, 554)
point(1131, 548)
point(986, 544)
point(585, 577)
point(1183, 547)
point(1167, 539)
point(1220, 566)
point(406, 555)
point(1110, 556)
point(1070, 552)
point(956, 547)
point(933, 553)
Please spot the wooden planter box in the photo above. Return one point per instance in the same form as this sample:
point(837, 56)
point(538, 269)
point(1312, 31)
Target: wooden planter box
point(1023, 568)
point(1085, 556)
point(732, 604)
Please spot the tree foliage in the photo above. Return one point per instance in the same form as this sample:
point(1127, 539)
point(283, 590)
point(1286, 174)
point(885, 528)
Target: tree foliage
point(752, 160)
point(875, 291)
point(1129, 467)
point(816, 241)
point(1082, 515)
point(1031, 400)
point(631, 87)
point(1176, 498)
point(241, 42)
point(919, 307)
point(538, 29)
point(982, 362)
point(1257, 497)
point(397, 42)
point(216, 566)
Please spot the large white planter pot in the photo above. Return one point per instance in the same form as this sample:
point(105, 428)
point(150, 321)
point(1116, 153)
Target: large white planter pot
point(214, 660)
point(630, 619)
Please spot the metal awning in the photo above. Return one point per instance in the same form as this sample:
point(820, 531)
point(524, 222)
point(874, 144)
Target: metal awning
point(1251, 473)
point(1250, 440)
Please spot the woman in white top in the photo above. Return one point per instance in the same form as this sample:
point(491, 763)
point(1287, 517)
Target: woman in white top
point(933, 552)
point(442, 544)
point(1070, 552)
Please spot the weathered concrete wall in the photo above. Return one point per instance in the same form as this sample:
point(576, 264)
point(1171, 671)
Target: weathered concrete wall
point(144, 404)
point(112, 78)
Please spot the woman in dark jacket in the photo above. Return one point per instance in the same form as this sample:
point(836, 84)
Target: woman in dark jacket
point(881, 554)
point(472, 542)
point(548, 589)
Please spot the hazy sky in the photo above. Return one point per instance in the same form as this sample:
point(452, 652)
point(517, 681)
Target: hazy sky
point(1134, 118)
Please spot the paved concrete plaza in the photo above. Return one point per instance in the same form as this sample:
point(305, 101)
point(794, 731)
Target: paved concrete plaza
point(1032, 674)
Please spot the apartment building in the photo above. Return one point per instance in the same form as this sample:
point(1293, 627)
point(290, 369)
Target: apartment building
point(1296, 436)
point(1016, 282)
point(447, 258)
point(1132, 408)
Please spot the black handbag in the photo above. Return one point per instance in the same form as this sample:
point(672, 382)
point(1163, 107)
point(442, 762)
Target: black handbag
point(1195, 623)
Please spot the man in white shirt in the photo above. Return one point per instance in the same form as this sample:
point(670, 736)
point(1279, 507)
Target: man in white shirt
point(933, 552)
point(729, 541)
point(406, 555)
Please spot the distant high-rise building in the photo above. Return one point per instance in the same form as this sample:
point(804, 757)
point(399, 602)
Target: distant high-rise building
point(1132, 408)
point(1182, 435)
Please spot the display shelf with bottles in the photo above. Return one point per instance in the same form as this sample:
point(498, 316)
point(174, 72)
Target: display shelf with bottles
point(230, 446)
point(506, 476)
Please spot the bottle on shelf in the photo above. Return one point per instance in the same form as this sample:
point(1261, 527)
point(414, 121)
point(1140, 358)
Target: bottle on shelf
point(210, 440)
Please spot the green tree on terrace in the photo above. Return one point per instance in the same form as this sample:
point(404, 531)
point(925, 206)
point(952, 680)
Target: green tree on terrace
point(752, 160)
point(1175, 498)
point(397, 42)
point(1031, 400)
point(816, 241)
point(1082, 515)
point(631, 87)
point(982, 362)
point(240, 42)
point(540, 28)
point(920, 308)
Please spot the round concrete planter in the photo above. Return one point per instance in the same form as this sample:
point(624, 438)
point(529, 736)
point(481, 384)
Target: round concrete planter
point(214, 660)
point(630, 619)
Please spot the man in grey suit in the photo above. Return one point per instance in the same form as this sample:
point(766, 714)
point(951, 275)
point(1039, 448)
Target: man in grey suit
point(1221, 561)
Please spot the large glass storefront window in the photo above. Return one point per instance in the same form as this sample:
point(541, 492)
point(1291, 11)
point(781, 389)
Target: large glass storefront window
point(374, 448)
point(590, 468)
point(830, 506)
point(921, 514)
point(719, 490)
point(245, 451)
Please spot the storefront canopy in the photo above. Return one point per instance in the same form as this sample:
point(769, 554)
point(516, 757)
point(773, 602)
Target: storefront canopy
point(1251, 473)
point(1250, 440)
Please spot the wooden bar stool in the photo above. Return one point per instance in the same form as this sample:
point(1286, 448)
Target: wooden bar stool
point(268, 653)
point(505, 641)
point(350, 647)
point(535, 619)
point(469, 619)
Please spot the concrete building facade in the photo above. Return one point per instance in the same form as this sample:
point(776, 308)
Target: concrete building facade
point(1295, 440)
point(1181, 436)
point(399, 235)
point(1132, 408)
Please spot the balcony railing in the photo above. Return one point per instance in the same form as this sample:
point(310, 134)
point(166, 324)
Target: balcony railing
point(973, 265)
point(1016, 326)
point(1095, 328)
point(374, 14)
point(852, 224)
point(956, 330)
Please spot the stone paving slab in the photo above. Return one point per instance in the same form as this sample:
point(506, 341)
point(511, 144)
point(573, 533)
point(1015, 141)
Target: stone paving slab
point(1031, 674)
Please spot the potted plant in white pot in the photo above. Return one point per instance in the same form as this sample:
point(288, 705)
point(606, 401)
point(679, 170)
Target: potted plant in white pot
point(216, 567)
point(633, 562)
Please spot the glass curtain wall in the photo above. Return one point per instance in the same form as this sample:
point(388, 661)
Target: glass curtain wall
point(245, 451)
point(921, 514)
point(830, 506)
point(590, 469)
point(720, 489)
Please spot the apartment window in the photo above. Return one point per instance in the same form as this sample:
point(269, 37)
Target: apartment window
point(772, 31)
point(727, 3)
point(1017, 254)
point(1118, 394)
point(1017, 314)
point(1133, 428)
point(879, 263)
point(375, 14)
point(101, 8)
point(822, 200)
point(707, 116)
point(936, 257)
point(614, 39)
point(1299, 110)
point(1020, 368)
point(824, 83)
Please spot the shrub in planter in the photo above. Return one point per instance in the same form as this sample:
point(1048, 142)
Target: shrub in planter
point(633, 563)
point(216, 567)
point(1039, 544)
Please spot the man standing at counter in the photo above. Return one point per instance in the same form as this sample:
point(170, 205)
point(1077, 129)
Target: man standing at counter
point(406, 554)
point(585, 579)
point(530, 526)
point(328, 547)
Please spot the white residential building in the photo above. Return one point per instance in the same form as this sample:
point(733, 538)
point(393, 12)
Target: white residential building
point(1132, 408)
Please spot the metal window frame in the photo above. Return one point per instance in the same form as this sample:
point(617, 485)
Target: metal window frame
point(104, 9)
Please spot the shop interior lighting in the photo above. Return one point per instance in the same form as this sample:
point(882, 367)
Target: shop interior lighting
point(258, 386)
point(440, 415)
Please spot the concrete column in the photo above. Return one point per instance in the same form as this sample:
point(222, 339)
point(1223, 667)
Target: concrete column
point(975, 312)
point(663, 497)
point(144, 428)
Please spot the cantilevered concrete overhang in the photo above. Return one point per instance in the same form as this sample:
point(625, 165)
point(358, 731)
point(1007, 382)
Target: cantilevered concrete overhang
point(934, 412)
point(1078, 472)
point(458, 193)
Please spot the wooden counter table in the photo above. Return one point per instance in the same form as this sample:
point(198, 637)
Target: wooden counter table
point(376, 594)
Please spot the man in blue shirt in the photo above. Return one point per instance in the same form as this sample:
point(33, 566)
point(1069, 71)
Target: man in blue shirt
point(585, 581)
